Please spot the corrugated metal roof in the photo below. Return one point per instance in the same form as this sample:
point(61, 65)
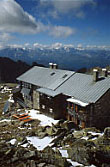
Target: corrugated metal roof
point(82, 87)
point(45, 77)
point(48, 92)
point(77, 85)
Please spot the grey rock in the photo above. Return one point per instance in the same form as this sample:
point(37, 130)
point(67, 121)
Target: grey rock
point(29, 154)
point(41, 164)
point(22, 123)
point(107, 132)
point(81, 151)
point(50, 165)
point(32, 163)
point(54, 157)
point(21, 165)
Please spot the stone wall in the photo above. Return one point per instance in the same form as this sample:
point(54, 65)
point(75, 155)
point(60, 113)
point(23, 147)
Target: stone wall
point(54, 107)
point(99, 116)
point(36, 100)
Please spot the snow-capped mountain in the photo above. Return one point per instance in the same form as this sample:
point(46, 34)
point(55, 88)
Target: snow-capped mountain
point(66, 56)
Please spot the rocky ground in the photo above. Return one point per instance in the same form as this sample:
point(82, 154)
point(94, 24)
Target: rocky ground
point(58, 145)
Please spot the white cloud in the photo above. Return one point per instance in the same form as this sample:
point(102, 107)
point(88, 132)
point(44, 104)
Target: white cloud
point(61, 31)
point(14, 19)
point(4, 37)
point(79, 45)
point(66, 6)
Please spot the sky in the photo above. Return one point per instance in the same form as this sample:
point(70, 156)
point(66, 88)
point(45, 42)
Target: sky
point(76, 22)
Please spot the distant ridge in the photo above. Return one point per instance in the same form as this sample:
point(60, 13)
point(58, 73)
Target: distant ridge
point(66, 56)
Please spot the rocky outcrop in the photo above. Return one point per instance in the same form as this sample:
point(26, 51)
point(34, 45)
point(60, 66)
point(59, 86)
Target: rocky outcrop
point(88, 146)
point(82, 151)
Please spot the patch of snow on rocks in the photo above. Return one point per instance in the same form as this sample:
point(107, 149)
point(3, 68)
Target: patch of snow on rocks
point(95, 133)
point(63, 153)
point(11, 99)
point(13, 141)
point(85, 138)
point(40, 144)
point(5, 120)
point(74, 163)
point(45, 120)
point(5, 89)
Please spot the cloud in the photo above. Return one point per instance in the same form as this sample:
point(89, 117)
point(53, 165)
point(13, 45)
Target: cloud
point(64, 6)
point(14, 19)
point(58, 7)
point(61, 31)
point(4, 37)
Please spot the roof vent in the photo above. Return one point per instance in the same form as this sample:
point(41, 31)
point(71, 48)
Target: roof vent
point(65, 76)
point(104, 72)
point(53, 73)
point(95, 75)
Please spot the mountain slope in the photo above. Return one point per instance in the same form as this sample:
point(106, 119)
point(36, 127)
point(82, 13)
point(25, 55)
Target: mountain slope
point(10, 70)
point(66, 56)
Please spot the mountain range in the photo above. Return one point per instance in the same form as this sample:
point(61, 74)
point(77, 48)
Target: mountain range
point(66, 56)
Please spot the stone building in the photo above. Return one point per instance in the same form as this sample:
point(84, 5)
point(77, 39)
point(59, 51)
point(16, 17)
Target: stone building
point(81, 98)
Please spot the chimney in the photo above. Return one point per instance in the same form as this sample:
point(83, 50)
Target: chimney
point(95, 75)
point(108, 72)
point(55, 66)
point(104, 72)
point(51, 65)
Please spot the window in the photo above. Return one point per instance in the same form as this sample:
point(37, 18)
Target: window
point(43, 106)
point(51, 110)
point(65, 76)
point(48, 97)
point(26, 85)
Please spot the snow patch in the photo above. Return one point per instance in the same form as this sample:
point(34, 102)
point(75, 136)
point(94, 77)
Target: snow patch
point(5, 120)
point(11, 99)
point(40, 144)
point(13, 141)
point(63, 153)
point(76, 101)
point(85, 138)
point(74, 163)
point(45, 120)
point(95, 133)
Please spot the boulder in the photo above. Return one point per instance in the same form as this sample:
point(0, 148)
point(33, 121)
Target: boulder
point(50, 165)
point(78, 134)
point(81, 151)
point(21, 165)
point(68, 125)
point(49, 131)
point(69, 139)
point(41, 164)
point(103, 150)
point(21, 123)
point(51, 157)
point(29, 154)
point(107, 132)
